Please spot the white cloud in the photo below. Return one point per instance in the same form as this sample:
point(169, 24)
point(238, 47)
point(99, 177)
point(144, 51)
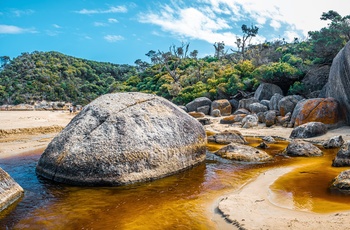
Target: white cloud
point(112, 20)
point(9, 29)
point(112, 9)
point(56, 26)
point(100, 24)
point(221, 20)
point(113, 38)
point(19, 13)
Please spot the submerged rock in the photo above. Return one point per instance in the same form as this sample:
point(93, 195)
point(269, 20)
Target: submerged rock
point(240, 152)
point(343, 156)
point(124, 138)
point(10, 191)
point(342, 182)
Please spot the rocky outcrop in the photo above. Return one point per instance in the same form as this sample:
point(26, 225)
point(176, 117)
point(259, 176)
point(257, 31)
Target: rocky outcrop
point(299, 148)
point(333, 142)
point(342, 183)
point(10, 191)
point(310, 129)
point(198, 102)
point(338, 84)
point(245, 153)
point(266, 90)
point(227, 137)
point(288, 103)
point(325, 110)
point(124, 138)
point(223, 105)
point(343, 156)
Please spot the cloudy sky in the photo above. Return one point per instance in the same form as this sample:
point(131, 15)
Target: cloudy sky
point(123, 31)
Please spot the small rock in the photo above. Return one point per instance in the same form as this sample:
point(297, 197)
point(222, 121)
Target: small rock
point(334, 142)
point(343, 156)
point(310, 129)
point(227, 137)
point(342, 183)
point(240, 152)
point(301, 148)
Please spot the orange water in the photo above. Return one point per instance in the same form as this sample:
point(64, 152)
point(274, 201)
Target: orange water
point(180, 201)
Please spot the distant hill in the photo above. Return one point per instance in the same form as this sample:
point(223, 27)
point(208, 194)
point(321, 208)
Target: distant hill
point(54, 76)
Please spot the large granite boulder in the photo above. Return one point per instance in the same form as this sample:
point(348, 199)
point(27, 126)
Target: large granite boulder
point(223, 105)
point(257, 108)
point(288, 103)
point(245, 153)
point(124, 138)
point(270, 118)
point(266, 90)
point(299, 148)
point(342, 183)
point(10, 191)
point(325, 110)
point(315, 80)
point(343, 156)
point(198, 102)
point(338, 84)
point(310, 129)
point(227, 137)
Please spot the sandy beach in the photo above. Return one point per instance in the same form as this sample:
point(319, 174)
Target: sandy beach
point(248, 208)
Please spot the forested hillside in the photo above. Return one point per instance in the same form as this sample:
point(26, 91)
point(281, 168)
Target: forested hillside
point(178, 74)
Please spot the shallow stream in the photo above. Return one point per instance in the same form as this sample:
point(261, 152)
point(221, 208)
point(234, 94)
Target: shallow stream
point(181, 201)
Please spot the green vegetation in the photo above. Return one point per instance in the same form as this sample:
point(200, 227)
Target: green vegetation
point(178, 75)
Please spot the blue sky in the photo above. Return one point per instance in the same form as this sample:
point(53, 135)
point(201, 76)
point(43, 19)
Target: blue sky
point(123, 31)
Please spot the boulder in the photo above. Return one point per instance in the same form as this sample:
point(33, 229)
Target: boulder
point(269, 139)
point(223, 105)
point(315, 79)
point(284, 120)
point(245, 153)
point(215, 113)
point(123, 138)
point(299, 148)
point(325, 110)
point(227, 137)
point(257, 108)
point(266, 90)
point(310, 129)
point(270, 118)
point(342, 183)
point(275, 99)
point(204, 109)
point(338, 84)
point(261, 117)
point(10, 191)
point(266, 103)
point(245, 103)
point(343, 156)
point(241, 111)
point(250, 121)
point(196, 114)
point(198, 102)
point(333, 142)
point(234, 104)
point(288, 103)
point(232, 119)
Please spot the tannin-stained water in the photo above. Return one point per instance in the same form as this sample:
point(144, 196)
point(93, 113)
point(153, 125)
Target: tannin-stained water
point(180, 201)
